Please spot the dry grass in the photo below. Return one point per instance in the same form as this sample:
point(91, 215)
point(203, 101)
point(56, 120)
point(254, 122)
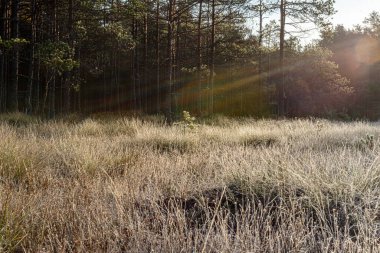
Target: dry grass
point(133, 185)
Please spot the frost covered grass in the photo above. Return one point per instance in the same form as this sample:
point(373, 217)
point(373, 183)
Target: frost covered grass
point(137, 185)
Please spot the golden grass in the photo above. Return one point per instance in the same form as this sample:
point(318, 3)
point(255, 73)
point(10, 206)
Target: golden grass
point(136, 185)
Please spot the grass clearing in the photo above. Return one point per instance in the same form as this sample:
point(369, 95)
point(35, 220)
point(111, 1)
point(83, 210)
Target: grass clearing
point(136, 185)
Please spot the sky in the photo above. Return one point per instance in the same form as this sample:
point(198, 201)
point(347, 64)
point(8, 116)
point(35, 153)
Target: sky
point(352, 12)
point(348, 13)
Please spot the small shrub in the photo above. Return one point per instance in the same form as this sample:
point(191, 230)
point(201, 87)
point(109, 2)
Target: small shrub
point(187, 122)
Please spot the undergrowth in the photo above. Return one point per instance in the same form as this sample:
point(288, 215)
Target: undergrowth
point(138, 185)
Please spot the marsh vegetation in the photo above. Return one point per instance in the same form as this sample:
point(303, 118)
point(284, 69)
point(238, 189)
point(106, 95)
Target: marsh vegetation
point(138, 185)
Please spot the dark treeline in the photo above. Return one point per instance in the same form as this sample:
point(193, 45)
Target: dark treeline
point(165, 56)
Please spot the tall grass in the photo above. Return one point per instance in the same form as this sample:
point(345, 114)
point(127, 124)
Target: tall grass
point(133, 185)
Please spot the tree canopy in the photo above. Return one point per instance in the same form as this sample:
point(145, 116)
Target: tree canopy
point(236, 57)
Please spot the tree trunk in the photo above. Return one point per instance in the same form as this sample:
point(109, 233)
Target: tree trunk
point(261, 15)
point(146, 59)
point(46, 91)
point(134, 68)
point(212, 67)
point(117, 80)
point(105, 102)
point(13, 89)
point(176, 57)
point(261, 88)
point(199, 51)
point(281, 82)
point(158, 88)
point(36, 90)
point(117, 63)
point(52, 107)
point(31, 61)
point(69, 75)
point(137, 70)
point(79, 92)
point(3, 34)
point(169, 95)
point(52, 97)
